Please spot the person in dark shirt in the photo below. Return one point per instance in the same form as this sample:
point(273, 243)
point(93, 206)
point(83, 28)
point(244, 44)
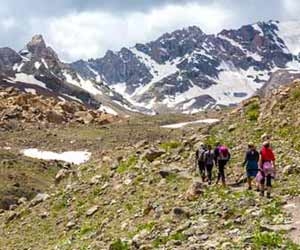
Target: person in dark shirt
point(209, 162)
point(251, 163)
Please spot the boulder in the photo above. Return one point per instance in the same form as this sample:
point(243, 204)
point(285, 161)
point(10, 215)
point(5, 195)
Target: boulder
point(194, 191)
point(92, 211)
point(54, 117)
point(61, 175)
point(84, 117)
point(232, 127)
point(39, 198)
point(152, 154)
point(180, 213)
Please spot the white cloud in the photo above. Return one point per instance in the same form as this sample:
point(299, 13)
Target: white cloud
point(90, 34)
point(8, 23)
point(292, 7)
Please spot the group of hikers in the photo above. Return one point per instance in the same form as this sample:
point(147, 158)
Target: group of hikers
point(260, 166)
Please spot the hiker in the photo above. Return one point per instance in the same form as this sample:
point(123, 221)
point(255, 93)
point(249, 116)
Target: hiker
point(251, 162)
point(216, 152)
point(200, 160)
point(209, 162)
point(222, 159)
point(267, 168)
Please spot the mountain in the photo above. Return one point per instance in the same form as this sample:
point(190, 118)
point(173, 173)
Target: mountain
point(188, 70)
point(37, 68)
point(184, 71)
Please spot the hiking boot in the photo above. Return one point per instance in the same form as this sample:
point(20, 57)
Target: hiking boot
point(249, 188)
point(269, 195)
point(262, 193)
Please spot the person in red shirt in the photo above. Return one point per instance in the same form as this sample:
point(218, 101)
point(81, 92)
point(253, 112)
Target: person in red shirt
point(267, 168)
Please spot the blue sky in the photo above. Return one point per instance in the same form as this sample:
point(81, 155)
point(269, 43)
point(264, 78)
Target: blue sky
point(84, 29)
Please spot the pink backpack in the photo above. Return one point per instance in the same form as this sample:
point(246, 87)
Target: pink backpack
point(223, 153)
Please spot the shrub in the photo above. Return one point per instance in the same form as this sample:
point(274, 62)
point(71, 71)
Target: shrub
point(252, 111)
point(126, 165)
point(267, 240)
point(119, 245)
point(296, 94)
point(170, 145)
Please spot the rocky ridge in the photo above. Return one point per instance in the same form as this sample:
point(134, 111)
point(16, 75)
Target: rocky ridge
point(18, 109)
point(38, 67)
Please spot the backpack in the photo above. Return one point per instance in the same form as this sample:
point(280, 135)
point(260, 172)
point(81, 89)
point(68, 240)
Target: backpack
point(201, 154)
point(223, 153)
point(209, 157)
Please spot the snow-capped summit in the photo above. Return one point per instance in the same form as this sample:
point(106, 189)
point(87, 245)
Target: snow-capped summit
point(188, 70)
point(182, 71)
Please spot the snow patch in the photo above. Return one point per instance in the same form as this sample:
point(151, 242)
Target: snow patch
point(183, 124)
point(32, 91)
point(37, 65)
point(258, 28)
point(73, 98)
point(74, 157)
point(45, 63)
point(87, 85)
point(22, 77)
point(107, 110)
point(158, 71)
point(233, 43)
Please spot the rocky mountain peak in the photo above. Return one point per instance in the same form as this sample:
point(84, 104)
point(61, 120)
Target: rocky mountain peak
point(8, 58)
point(36, 45)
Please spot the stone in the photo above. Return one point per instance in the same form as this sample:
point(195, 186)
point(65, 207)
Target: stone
point(70, 225)
point(11, 215)
point(277, 228)
point(44, 215)
point(84, 117)
point(180, 213)
point(95, 180)
point(152, 154)
point(194, 191)
point(141, 144)
point(54, 117)
point(137, 240)
point(39, 198)
point(232, 127)
point(92, 211)
point(62, 173)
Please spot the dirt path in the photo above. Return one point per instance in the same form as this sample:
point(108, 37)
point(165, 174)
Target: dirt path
point(292, 208)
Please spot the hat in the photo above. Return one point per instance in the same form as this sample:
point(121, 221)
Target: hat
point(266, 143)
point(251, 145)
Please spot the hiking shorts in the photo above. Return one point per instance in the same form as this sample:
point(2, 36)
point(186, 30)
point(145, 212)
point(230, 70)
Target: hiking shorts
point(252, 173)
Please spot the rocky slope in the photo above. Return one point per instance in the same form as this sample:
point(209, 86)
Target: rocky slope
point(19, 110)
point(144, 194)
point(187, 70)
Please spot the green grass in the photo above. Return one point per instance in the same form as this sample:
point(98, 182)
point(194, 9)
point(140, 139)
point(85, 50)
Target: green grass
point(127, 164)
point(165, 239)
point(170, 145)
point(252, 111)
point(272, 209)
point(267, 240)
point(296, 94)
point(119, 245)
